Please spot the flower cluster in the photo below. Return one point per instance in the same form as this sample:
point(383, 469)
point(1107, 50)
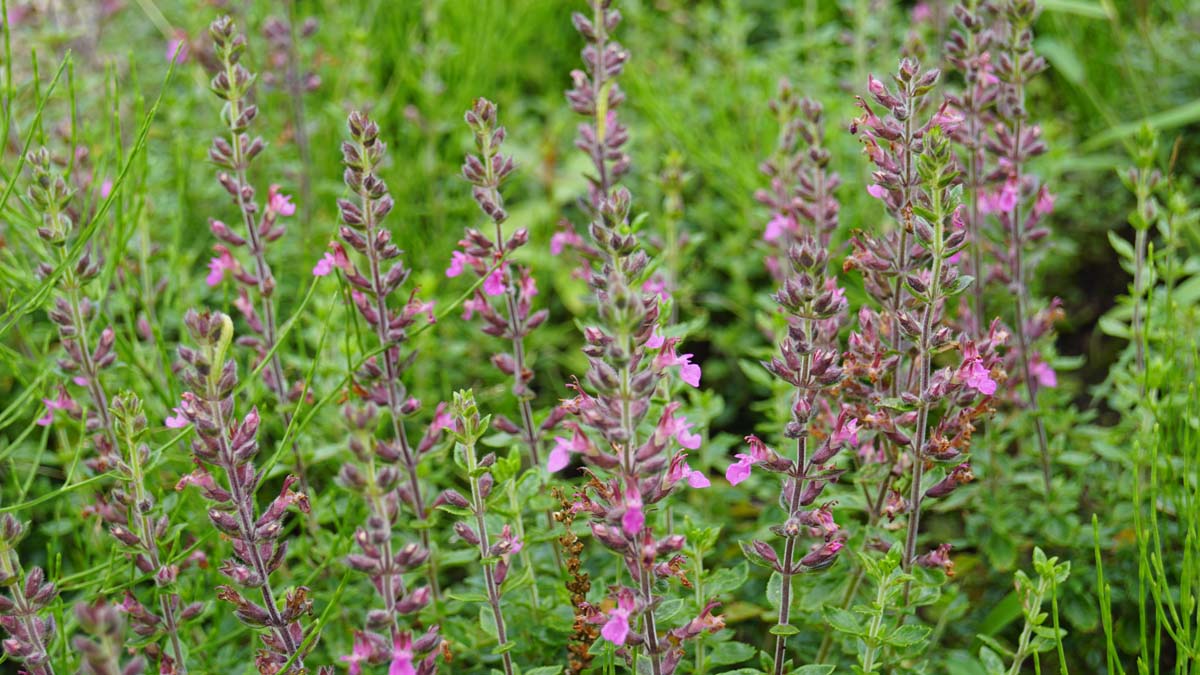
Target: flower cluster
point(74, 314)
point(227, 445)
point(808, 361)
point(1020, 202)
point(23, 613)
point(924, 413)
point(233, 155)
point(627, 362)
point(387, 473)
point(102, 652)
point(284, 39)
point(489, 256)
point(800, 196)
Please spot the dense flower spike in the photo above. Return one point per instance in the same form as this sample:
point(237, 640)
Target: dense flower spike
point(75, 315)
point(1018, 199)
point(925, 413)
point(489, 255)
point(23, 610)
point(808, 357)
point(382, 377)
point(968, 50)
point(800, 196)
point(233, 155)
point(130, 513)
point(227, 445)
point(624, 370)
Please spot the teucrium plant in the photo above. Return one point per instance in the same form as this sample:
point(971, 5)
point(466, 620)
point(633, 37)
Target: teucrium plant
point(627, 362)
point(224, 449)
point(494, 549)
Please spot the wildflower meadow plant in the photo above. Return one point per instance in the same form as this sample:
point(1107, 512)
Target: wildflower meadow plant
point(233, 154)
point(464, 404)
point(387, 472)
point(627, 362)
point(226, 445)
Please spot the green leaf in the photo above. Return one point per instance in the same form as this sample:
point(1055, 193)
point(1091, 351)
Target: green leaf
point(784, 629)
point(467, 597)
point(543, 670)
point(906, 636)
point(813, 669)
point(727, 653)
point(727, 579)
point(775, 589)
point(844, 621)
point(668, 609)
point(991, 663)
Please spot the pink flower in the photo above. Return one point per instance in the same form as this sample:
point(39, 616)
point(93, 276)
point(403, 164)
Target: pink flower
point(778, 226)
point(563, 238)
point(740, 470)
point(560, 456)
point(616, 629)
point(979, 377)
point(106, 188)
point(494, 284)
point(223, 262)
point(670, 426)
point(177, 48)
point(471, 305)
point(442, 419)
point(877, 191)
point(402, 656)
point(1043, 373)
point(528, 284)
point(655, 285)
point(458, 261)
point(60, 402)
point(688, 371)
point(846, 432)
point(336, 257)
point(921, 12)
point(176, 421)
point(1045, 202)
point(655, 341)
point(324, 266)
point(279, 202)
point(361, 652)
point(680, 470)
point(1006, 201)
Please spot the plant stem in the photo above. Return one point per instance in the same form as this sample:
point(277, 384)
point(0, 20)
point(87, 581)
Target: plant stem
point(789, 548)
point(485, 546)
point(150, 542)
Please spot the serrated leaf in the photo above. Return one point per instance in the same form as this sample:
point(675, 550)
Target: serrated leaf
point(784, 629)
point(775, 589)
point(727, 579)
point(844, 621)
